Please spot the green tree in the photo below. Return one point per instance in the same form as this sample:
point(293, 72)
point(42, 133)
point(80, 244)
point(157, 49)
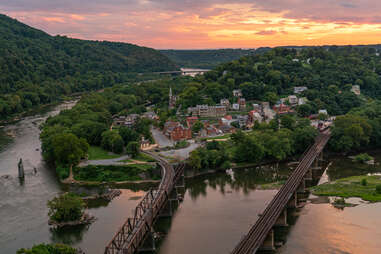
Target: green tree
point(112, 141)
point(68, 149)
point(128, 134)
point(133, 149)
point(197, 127)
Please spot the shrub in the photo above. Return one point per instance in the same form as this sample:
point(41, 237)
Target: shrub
point(364, 182)
point(48, 248)
point(363, 157)
point(378, 189)
point(63, 172)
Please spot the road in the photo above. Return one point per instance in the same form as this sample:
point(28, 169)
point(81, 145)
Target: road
point(160, 138)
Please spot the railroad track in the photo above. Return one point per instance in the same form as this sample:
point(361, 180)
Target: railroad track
point(252, 241)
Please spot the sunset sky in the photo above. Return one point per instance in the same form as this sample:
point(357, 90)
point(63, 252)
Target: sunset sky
point(188, 24)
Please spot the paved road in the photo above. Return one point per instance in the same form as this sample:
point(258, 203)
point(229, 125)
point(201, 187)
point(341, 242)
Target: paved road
point(116, 161)
point(181, 154)
point(160, 138)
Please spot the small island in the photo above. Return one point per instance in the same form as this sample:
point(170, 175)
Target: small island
point(68, 210)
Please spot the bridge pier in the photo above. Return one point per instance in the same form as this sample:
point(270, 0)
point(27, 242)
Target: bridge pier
point(282, 219)
point(149, 244)
point(293, 202)
point(269, 243)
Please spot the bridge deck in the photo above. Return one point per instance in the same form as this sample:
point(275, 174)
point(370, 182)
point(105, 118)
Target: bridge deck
point(134, 231)
point(251, 242)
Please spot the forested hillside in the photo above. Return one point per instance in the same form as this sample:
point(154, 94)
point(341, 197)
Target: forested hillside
point(36, 68)
point(208, 58)
point(329, 73)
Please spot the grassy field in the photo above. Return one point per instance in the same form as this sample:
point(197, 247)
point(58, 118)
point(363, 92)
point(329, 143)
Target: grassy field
point(97, 153)
point(351, 187)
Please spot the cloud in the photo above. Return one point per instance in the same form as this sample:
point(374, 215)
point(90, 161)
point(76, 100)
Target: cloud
point(266, 32)
point(205, 23)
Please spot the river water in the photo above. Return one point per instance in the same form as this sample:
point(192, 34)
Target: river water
point(216, 212)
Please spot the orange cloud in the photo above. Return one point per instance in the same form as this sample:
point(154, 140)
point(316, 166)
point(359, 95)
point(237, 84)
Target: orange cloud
point(207, 24)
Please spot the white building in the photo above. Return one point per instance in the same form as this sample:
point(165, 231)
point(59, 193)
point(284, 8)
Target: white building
point(299, 89)
point(235, 106)
point(293, 100)
point(237, 92)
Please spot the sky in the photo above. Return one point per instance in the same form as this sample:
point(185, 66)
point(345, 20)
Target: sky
point(201, 24)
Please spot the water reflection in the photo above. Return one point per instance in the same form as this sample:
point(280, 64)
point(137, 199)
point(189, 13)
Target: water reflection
point(218, 210)
point(68, 235)
point(245, 180)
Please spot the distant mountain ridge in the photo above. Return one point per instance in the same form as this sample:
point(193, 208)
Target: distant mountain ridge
point(36, 68)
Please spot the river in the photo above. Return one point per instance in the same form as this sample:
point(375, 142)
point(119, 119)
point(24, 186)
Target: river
point(23, 210)
point(216, 212)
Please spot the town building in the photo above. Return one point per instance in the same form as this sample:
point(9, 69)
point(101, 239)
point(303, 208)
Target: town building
point(191, 120)
point(242, 121)
point(237, 92)
point(282, 109)
point(226, 120)
point(257, 108)
point(254, 116)
point(172, 99)
point(207, 111)
point(144, 144)
point(302, 101)
point(293, 100)
point(299, 89)
point(150, 115)
point(176, 131)
point(235, 106)
point(127, 121)
point(356, 89)
point(242, 103)
point(225, 102)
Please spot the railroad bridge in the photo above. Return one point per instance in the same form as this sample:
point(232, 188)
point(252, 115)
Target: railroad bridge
point(261, 235)
point(137, 233)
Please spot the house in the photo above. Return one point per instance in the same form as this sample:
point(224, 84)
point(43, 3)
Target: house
point(257, 108)
point(127, 121)
point(265, 105)
point(237, 92)
point(254, 116)
point(191, 120)
point(302, 101)
point(323, 111)
point(235, 106)
point(144, 144)
point(150, 115)
point(282, 109)
point(299, 89)
point(242, 121)
point(225, 102)
point(242, 103)
point(293, 100)
point(227, 129)
point(356, 89)
point(176, 131)
point(226, 120)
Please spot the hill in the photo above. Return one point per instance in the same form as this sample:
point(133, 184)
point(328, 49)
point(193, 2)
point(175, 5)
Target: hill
point(36, 68)
point(208, 58)
point(328, 72)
